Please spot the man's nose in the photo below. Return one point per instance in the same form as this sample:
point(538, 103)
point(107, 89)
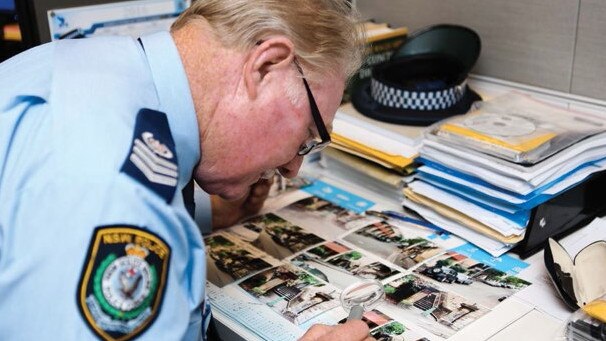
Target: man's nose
point(290, 169)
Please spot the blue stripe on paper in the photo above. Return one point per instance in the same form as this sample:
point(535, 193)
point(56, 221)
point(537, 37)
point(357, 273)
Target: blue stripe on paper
point(338, 196)
point(505, 263)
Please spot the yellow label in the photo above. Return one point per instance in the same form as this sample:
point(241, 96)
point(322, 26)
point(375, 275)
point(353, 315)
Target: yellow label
point(525, 146)
point(398, 161)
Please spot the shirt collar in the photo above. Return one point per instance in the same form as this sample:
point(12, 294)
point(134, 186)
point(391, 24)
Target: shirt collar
point(175, 99)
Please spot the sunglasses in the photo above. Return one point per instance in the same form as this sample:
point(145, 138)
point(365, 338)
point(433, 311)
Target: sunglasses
point(314, 144)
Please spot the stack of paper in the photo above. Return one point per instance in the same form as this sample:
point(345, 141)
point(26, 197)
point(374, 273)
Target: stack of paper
point(372, 152)
point(389, 145)
point(368, 149)
point(485, 171)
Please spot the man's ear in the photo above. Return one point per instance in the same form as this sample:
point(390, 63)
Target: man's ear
point(272, 55)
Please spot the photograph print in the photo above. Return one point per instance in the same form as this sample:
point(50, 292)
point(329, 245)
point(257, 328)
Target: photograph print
point(228, 260)
point(294, 294)
point(384, 328)
point(314, 262)
point(282, 185)
point(328, 249)
point(395, 331)
point(373, 319)
point(387, 242)
point(441, 312)
point(274, 235)
point(314, 214)
point(340, 266)
point(362, 266)
point(472, 279)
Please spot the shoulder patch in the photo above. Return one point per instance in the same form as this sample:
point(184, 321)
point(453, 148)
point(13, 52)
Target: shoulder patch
point(152, 159)
point(123, 280)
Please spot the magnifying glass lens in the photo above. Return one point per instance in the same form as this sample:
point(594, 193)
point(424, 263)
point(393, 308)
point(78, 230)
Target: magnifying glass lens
point(360, 297)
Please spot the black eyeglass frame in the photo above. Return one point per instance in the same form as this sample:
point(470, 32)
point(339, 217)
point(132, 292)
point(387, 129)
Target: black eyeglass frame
point(313, 145)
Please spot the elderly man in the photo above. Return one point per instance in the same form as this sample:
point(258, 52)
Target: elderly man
point(100, 137)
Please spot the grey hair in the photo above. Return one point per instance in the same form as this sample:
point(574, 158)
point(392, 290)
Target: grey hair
point(325, 33)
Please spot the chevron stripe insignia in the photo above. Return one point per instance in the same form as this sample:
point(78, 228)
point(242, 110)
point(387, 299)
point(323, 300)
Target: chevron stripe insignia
point(152, 160)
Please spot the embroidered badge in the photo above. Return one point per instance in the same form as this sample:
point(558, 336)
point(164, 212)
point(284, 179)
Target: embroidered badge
point(152, 159)
point(123, 281)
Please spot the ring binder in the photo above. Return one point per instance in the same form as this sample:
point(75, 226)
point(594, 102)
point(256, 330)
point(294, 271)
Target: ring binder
point(564, 214)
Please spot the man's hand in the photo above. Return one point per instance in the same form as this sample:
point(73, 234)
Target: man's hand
point(355, 330)
point(226, 213)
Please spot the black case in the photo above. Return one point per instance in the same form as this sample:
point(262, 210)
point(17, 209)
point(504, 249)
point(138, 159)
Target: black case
point(564, 214)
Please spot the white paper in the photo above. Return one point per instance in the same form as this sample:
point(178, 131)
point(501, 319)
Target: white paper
point(474, 169)
point(535, 326)
point(584, 151)
point(555, 189)
point(499, 318)
point(499, 223)
point(472, 196)
point(373, 140)
point(409, 135)
point(510, 183)
point(494, 247)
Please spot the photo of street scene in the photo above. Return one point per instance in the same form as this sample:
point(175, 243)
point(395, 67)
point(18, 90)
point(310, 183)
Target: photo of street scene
point(328, 249)
point(438, 311)
point(362, 266)
point(315, 213)
point(274, 235)
point(227, 261)
point(295, 294)
point(395, 331)
point(469, 278)
point(282, 185)
point(384, 328)
point(343, 268)
point(373, 319)
point(388, 242)
point(324, 270)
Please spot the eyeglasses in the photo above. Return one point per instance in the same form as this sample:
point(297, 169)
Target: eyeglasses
point(313, 145)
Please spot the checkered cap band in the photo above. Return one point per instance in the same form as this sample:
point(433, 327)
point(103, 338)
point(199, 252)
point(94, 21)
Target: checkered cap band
point(392, 97)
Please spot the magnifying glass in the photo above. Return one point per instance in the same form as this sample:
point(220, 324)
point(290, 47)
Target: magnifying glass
point(360, 297)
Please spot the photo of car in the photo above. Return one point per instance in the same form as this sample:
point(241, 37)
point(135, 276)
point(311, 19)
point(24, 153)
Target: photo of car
point(471, 278)
point(447, 275)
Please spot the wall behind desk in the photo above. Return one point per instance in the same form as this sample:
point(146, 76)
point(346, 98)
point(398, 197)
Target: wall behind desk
point(554, 44)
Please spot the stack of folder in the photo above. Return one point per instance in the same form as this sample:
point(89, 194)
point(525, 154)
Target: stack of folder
point(365, 150)
point(485, 171)
point(369, 141)
point(380, 155)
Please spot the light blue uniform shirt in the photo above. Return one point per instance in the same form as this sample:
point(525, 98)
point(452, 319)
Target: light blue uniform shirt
point(92, 242)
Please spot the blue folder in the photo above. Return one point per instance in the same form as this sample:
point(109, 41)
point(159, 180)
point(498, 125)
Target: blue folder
point(530, 200)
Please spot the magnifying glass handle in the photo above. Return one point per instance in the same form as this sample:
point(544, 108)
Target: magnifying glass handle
point(355, 313)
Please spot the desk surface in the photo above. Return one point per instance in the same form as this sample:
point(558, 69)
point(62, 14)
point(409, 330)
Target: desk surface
point(537, 306)
point(539, 311)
